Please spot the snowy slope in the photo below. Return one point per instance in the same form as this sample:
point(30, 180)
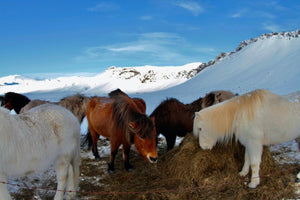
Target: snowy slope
point(129, 79)
point(271, 62)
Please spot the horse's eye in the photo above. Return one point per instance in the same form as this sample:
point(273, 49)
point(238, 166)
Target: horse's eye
point(142, 138)
point(200, 129)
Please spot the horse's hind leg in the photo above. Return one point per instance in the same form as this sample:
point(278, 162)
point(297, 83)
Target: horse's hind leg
point(62, 169)
point(255, 153)
point(73, 176)
point(3, 188)
point(95, 138)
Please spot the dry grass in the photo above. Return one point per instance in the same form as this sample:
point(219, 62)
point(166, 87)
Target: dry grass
point(187, 172)
point(184, 173)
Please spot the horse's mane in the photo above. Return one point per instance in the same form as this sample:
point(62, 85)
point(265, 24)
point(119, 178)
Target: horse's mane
point(116, 92)
point(221, 118)
point(126, 111)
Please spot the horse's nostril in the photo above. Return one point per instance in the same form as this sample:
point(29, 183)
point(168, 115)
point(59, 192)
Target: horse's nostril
point(153, 159)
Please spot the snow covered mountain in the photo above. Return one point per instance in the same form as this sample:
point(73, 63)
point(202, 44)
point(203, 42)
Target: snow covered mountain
point(270, 61)
point(129, 79)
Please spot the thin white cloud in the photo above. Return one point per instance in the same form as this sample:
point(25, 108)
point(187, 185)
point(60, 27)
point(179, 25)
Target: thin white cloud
point(271, 27)
point(104, 7)
point(147, 18)
point(128, 48)
point(240, 13)
point(159, 47)
point(268, 15)
point(191, 6)
point(274, 5)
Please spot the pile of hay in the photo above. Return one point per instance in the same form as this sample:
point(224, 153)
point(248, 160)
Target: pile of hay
point(188, 172)
point(215, 173)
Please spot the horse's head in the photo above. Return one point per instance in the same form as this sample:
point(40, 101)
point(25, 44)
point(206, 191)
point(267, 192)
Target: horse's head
point(145, 138)
point(206, 140)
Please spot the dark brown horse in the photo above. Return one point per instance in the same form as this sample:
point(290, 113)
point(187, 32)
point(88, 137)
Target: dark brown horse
point(173, 118)
point(16, 101)
point(76, 104)
point(122, 120)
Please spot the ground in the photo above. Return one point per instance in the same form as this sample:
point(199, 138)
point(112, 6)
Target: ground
point(153, 181)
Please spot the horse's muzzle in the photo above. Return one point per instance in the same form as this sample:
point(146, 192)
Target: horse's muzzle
point(152, 160)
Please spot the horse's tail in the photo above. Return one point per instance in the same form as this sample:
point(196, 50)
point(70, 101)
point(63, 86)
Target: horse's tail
point(87, 140)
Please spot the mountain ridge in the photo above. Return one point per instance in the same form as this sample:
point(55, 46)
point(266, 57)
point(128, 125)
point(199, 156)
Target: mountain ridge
point(130, 79)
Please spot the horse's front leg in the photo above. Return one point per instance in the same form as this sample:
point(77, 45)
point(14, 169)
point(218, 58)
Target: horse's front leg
point(126, 151)
point(3, 188)
point(111, 164)
point(171, 139)
point(246, 166)
point(255, 153)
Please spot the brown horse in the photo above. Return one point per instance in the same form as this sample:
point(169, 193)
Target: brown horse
point(122, 120)
point(173, 118)
point(76, 104)
point(16, 101)
point(138, 101)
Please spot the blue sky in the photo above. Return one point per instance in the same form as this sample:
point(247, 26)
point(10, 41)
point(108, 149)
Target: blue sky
point(88, 36)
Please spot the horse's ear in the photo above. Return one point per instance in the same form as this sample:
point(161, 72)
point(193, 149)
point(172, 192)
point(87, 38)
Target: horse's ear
point(197, 115)
point(153, 120)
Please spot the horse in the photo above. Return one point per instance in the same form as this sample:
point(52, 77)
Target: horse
point(32, 141)
point(138, 101)
point(16, 101)
point(255, 119)
point(121, 119)
point(76, 104)
point(173, 118)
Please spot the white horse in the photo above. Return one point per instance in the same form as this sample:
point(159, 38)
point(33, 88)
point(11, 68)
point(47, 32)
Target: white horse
point(257, 118)
point(32, 141)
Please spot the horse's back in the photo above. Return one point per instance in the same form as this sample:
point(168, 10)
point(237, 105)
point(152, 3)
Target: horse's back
point(41, 135)
point(171, 116)
point(32, 104)
point(280, 119)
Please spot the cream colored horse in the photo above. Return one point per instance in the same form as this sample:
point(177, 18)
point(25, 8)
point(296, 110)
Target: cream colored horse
point(32, 141)
point(257, 118)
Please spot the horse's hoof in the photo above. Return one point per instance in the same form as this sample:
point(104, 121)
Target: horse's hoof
point(111, 172)
point(128, 167)
point(253, 185)
point(98, 159)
